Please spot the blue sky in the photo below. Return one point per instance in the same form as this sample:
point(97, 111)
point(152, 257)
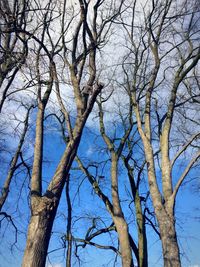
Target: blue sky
point(85, 205)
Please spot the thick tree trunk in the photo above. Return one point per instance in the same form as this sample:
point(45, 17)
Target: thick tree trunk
point(164, 214)
point(39, 233)
point(44, 209)
point(125, 248)
point(170, 248)
point(171, 255)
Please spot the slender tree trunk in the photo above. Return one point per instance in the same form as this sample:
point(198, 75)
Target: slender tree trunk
point(169, 241)
point(142, 239)
point(142, 255)
point(6, 186)
point(69, 222)
point(118, 218)
point(69, 250)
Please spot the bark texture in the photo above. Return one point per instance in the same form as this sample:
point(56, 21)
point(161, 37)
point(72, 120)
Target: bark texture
point(142, 239)
point(118, 218)
point(141, 255)
point(123, 235)
point(44, 209)
point(170, 248)
point(39, 234)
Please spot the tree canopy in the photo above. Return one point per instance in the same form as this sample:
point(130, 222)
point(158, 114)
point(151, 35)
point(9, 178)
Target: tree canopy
point(99, 132)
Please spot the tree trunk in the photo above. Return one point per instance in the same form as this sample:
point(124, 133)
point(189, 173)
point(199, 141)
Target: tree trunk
point(6, 186)
point(142, 239)
point(170, 248)
point(44, 208)
point(164, 214)
point(39, 233)
point(69, 223)
point(141, 252)
point(118, 218)
point(122, 230)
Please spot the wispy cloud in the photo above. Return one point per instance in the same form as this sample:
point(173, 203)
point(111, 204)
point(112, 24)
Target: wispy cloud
point(54, 265)
point(90, 151)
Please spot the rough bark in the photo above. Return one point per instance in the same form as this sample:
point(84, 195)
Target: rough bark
point(39, 233)
point(44, 209)
point(164, 211)
point(122, 230)
point(165, 216)
point(52, 195)
point(169, 241)
point(82, 47)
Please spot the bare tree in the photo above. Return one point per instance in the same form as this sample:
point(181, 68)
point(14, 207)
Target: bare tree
point(13, 46)
point(14, 162)
point(140, 216)
point(164, 52)
point(117, 213)
point(53, 57)
point(116, 145)
point(79, 54)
